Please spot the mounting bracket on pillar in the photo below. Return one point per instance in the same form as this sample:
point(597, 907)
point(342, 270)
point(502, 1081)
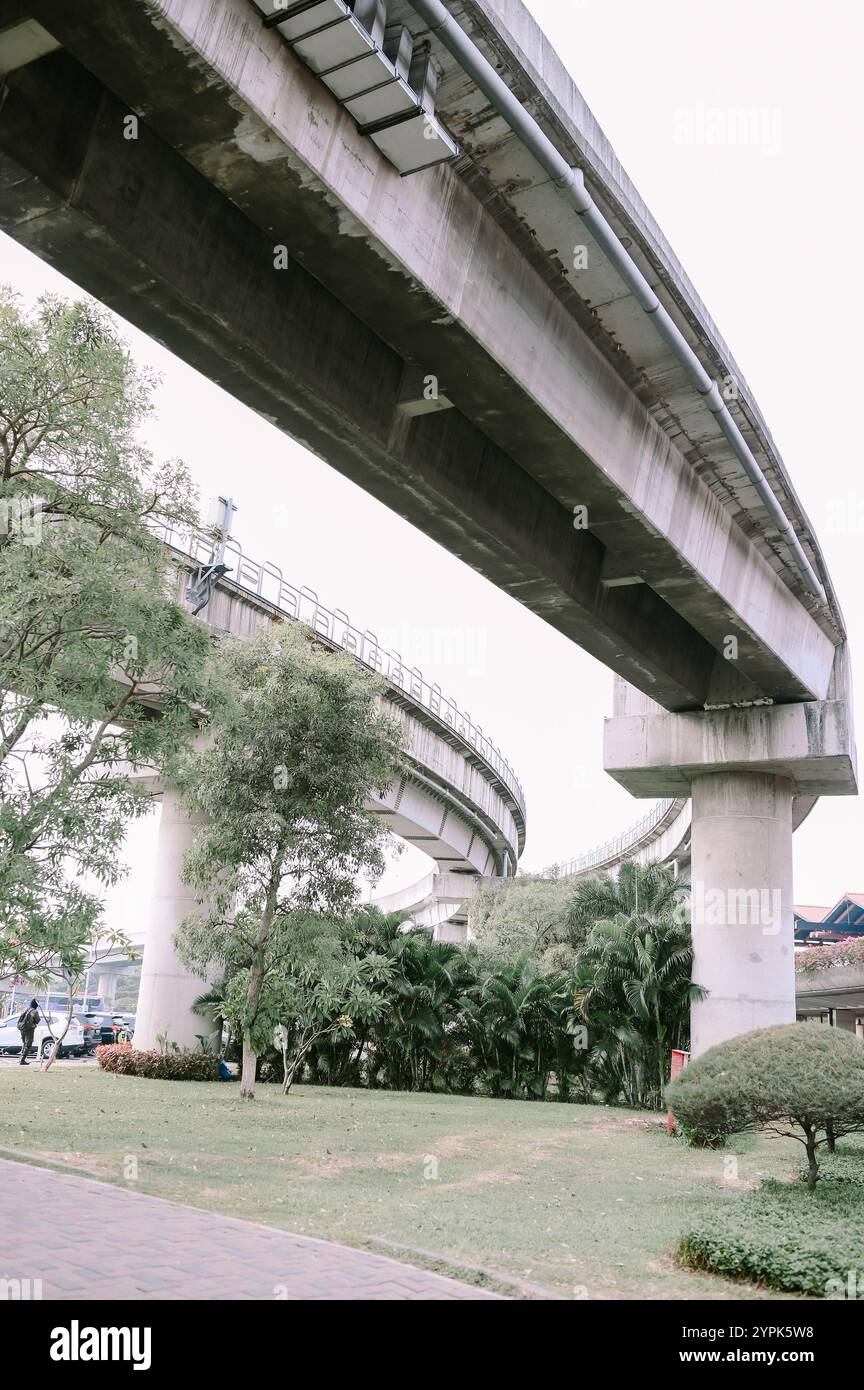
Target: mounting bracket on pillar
point(221, 514)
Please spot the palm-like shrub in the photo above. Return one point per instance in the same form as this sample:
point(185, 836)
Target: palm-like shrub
point(455, 1018)
point(647, 891)
point(634, 995)
point(516, 1022)
point(409, 1044)
point(336, 1059)
point(453, 1021)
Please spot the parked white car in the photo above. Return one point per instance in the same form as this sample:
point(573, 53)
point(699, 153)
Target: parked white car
point(72, 1044)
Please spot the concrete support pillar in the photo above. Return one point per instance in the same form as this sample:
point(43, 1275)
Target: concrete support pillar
point(846, 1020)
point(168, 991)
point(106, 988)
point(752, 772)
point(741, 897)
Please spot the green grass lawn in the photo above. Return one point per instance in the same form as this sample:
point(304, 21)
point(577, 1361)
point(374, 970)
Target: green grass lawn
point(560, 1196)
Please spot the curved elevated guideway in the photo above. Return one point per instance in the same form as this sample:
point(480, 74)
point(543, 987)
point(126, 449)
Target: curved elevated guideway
point(458, 798)
point(662, 836)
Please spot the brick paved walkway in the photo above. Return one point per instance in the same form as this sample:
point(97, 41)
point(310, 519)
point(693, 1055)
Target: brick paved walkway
point(88, 1240)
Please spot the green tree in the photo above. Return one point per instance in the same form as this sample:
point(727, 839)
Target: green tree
point(801, 1080)
point(315, 991)
point(99, 667)
point(325, 996)
point(650, 891)
point(297, 743)
point(512, 916)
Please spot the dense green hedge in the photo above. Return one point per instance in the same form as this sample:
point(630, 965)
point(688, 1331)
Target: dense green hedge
point(783, 1236)
point(162, 1066)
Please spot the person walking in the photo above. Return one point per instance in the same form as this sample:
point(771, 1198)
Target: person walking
point(27, 1025)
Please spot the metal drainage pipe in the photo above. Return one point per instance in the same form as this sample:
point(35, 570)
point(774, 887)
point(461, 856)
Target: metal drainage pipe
point(571, 182)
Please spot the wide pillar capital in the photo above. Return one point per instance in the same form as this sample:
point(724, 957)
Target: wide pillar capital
point(812, 744)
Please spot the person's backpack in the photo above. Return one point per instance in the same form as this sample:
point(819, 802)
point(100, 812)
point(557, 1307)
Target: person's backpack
point(22, 1020)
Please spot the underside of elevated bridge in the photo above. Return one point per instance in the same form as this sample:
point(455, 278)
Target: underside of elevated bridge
point(198, 170)
point(560, 398)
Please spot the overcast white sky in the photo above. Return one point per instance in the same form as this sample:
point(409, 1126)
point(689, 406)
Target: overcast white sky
point(750, 223)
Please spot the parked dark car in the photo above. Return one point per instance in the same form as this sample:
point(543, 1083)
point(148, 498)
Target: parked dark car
point(98, 1029)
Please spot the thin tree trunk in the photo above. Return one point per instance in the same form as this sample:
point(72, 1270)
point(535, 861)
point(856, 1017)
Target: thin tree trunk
point(291, 1072)
point(250, 1066)
point(812, 1164)
point(60, 1036)
point(302, 1052)
point(253, 997)
point(256, 979)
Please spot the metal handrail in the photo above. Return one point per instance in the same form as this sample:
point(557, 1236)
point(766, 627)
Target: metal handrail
point(612, 849)
point(302, 604)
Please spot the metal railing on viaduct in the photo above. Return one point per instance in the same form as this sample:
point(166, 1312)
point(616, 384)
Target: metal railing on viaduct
point(449, 755)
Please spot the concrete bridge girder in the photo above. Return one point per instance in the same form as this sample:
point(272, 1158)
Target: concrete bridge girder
point(439, 901)
point(496, 479)
point(420, 818)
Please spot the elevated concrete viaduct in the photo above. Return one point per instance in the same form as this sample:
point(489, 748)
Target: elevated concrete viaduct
point(456, 797)
point(249, 221)
point(385, 272)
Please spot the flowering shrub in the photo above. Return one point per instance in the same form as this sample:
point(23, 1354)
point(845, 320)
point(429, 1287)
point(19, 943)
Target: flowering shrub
point(815, 959)
point(124, 1060)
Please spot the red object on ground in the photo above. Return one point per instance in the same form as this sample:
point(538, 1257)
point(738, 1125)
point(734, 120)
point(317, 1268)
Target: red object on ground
point(679, 1062)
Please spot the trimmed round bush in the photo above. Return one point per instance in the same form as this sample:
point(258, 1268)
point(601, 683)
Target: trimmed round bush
point(785, 1238)
point(124, 1060)
point(803, 1077)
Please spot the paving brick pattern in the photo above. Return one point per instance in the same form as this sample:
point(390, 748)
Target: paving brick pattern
point(88, 1240)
